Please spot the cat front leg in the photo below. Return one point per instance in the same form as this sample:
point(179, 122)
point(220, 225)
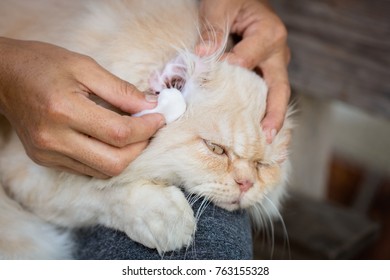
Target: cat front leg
point(156, 216)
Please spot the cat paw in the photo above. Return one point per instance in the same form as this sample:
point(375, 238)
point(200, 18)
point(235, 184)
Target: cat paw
point(162, 220)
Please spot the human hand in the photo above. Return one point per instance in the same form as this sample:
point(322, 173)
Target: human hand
point(263, 48)
point(44, 93)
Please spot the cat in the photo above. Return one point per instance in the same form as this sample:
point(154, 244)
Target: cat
point(216, 149)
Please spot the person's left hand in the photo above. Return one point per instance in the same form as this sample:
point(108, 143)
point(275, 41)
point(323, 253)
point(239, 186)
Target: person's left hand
point(263, 48)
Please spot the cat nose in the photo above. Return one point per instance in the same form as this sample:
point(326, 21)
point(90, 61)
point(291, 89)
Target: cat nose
point(244, 184)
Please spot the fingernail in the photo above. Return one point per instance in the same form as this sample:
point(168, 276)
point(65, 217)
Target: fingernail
point(270, 135)
point(159, 119)
point(205, 48)
point(236, 60)
point(151, 97)
point(162, 122)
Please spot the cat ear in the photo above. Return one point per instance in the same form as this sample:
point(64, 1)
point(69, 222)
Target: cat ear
point(178, 72)
point(173, 75)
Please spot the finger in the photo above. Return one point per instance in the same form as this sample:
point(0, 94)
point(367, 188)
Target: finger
point(112, 89)
point(101, 157)
point(261, 36)
point(217, 18)
point(249, 52)
point(276, 76)
point(245, 61)
point(78, 168)
point(211, 40)
point(274, 118)
point(110, 127)
point(65, 163)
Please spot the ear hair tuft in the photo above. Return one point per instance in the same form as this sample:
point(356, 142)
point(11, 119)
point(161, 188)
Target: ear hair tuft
point(188, 66)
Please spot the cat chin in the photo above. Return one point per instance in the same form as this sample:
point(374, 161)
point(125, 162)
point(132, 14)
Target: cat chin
point(241, 203)
point(233, 206)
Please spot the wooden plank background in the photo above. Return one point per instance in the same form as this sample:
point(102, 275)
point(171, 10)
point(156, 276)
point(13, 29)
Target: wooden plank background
point(340, 49)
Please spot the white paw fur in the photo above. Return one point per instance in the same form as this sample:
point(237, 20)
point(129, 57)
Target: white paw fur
point(158, 217)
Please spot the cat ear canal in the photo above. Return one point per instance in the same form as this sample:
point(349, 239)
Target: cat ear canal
point(173, 75)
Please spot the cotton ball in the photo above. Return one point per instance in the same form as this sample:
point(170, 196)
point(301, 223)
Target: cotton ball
point(170, 103)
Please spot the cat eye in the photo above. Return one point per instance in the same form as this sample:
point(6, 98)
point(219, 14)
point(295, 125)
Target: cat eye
point(263, 164)
point(216, 149)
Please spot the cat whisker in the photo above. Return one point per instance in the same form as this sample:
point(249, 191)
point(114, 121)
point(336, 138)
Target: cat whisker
point(204, 204)
point(266, 233)
point(190, 246)
point(214, 37)
point(260, 223)
point(272, 234)
point(286, 241)
point(192, 198)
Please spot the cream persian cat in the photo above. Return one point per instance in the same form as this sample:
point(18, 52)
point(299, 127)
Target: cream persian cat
point(215, 150)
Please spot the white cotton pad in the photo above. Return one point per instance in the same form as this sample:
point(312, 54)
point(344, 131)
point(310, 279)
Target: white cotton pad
point(170, 103)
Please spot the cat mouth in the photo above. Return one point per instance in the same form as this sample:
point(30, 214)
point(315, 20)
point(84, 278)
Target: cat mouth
point(230, 206)
point(234, 203)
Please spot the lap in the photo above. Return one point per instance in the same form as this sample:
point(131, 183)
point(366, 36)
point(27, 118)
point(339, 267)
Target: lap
point(220, 235)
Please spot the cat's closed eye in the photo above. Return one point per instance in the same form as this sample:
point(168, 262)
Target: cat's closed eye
point(216, 149)
point(263, 164)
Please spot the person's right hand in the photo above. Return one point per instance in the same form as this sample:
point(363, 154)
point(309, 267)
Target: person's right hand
point(44, 93)
point(263, 47)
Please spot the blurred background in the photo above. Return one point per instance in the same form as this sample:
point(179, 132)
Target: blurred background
point(339, 205)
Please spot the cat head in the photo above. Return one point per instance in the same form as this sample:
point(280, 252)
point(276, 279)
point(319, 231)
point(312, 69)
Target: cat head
point(217, 149)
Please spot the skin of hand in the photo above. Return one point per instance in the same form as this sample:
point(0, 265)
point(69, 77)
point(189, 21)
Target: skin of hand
point(44, 93)
point(263, 48)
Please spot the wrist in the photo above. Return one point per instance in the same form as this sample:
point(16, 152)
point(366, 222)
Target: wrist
point(4, 42)
point(9, 59)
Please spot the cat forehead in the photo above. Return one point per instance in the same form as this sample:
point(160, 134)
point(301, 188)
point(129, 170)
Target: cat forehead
point(228, 108)
point(237, 89)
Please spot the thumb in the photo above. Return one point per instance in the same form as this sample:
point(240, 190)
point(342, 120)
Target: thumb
point(211, 39)
point(117, 92)
point(216, 19)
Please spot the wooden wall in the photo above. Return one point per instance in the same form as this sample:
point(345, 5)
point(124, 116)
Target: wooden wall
point(340, 49)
